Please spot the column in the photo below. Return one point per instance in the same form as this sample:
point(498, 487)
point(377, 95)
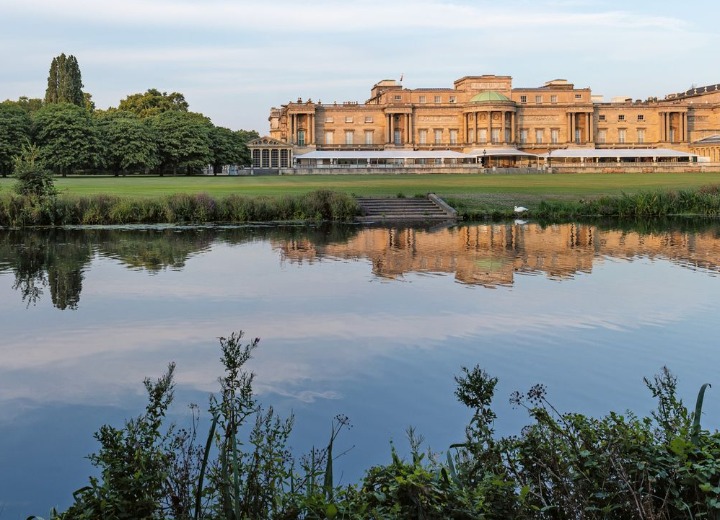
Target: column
point(512, 127)
point(475, 132)
point(489, 127)
point(293, 138)
point(591, 127)
point(311, 129)
point(588, 127)
point(502, 126)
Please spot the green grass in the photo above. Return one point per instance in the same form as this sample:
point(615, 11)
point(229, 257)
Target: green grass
point(498, 190)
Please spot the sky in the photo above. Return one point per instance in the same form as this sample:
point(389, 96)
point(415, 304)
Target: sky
point(234, 59)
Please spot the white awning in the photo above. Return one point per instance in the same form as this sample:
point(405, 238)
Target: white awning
point(384, 154)
point(622, 153)
point(499, 152)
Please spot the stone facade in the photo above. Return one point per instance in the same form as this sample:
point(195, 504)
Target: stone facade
point(487, 111)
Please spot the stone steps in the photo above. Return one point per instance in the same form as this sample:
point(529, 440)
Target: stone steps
point(399, 209)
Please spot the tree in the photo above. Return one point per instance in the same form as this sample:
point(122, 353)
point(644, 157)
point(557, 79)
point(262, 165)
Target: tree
point(154, 102)
point(14, 133)
point(67, 138)
point(227, 148)
point(183, 141)
point(128, 143)
point(33, 179)
point(246, 136)
point(65, 81)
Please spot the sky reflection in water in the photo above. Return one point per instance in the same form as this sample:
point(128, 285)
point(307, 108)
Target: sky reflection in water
point(369, 322)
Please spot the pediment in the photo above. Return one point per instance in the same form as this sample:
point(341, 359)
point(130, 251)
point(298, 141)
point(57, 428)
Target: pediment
point(267, 141)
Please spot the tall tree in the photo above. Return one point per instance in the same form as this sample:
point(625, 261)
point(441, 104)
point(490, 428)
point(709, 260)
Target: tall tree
point(65, 81)
point(154, 102)
point(14, 133)
point(128, 142)
point(67, 138)
point(183, 141)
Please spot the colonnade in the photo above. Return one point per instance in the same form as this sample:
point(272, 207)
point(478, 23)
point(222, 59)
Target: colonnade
point(573, 124)
point(406, 137)
point(471, 121)
point(305, 122)
point(673, 121)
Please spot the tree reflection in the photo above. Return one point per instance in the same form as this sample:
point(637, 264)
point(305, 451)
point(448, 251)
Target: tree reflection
point(47, 259)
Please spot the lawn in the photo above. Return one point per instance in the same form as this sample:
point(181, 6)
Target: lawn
point(491, 189)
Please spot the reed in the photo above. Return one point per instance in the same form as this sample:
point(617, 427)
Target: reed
point(179, 208)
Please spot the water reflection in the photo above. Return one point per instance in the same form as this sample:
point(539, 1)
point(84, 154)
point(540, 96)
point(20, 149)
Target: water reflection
point(333, 339)
point(488, 255)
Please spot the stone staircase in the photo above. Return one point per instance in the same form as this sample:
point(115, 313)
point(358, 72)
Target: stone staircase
point(431, 208)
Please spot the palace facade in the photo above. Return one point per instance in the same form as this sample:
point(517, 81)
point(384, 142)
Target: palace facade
point(486, 115)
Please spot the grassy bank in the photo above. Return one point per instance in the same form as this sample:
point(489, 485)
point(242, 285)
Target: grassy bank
point(125, 200)
point(179, 208)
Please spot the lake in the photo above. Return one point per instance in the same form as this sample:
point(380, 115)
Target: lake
point(370, 322)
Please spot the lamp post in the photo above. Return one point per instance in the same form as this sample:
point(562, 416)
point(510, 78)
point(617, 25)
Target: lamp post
point(483, 159)
point(550, 161)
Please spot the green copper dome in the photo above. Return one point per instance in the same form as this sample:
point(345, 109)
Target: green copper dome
point(489, 97)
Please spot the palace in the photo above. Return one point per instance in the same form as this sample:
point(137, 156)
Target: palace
point(484, 120)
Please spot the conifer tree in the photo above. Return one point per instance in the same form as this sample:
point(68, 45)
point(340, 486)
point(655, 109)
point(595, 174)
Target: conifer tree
point(65, 81)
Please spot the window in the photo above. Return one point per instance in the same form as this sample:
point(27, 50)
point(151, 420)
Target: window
point(621, 117)
point(422, 135)
point(422, 99)
point(641, 135)
point(348, 119)
point(601, 136)
point(641, 117)
point(368, 119)
point(523, 99)
point(601, 117)
point(368, 137)
point(397, 137)
point(453, 136)
point(349, 137)
point(301, 138)
point(553, 99)
point(482, 134)
point(621, 135)
point(438, 99)
point(471, 135)
point(554, 136)
point(538, 99)
point(539, 135)
point(329, 137)
point(495, 135)
point(452, 99)
point(578, 96)
point(523, 135)
point(328, 119)
point(438, 136)
point(398, 98)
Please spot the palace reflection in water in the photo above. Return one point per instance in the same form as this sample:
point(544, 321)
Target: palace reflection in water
point(53, 261)
point(491, 254)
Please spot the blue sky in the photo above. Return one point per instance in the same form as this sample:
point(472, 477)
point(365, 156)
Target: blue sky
point(234, 60)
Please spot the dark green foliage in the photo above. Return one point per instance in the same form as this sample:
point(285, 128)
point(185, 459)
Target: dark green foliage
point(227, 147)
point(14, 134)
point(34, 181)
point(128, 144)
point(65, 82)
point(67, 138)
point(180, 208)
point(153, 102)
point(134, 463)
point(183, 140)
